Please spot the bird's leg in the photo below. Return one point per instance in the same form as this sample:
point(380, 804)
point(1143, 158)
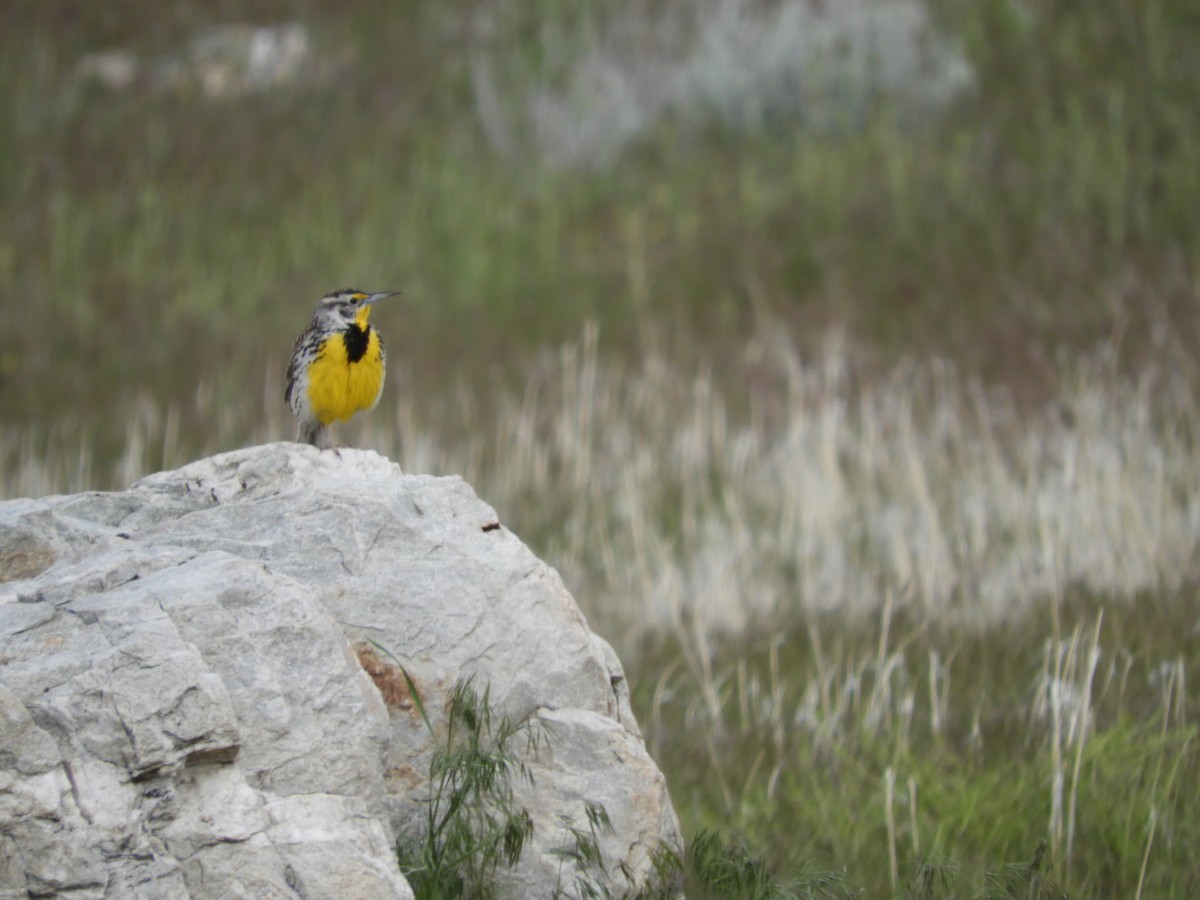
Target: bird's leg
point(322, 440)
point(316, 434)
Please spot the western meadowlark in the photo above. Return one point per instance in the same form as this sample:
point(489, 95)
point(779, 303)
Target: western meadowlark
point(337, 364)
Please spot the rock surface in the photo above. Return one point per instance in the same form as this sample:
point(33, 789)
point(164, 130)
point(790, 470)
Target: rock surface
point(201, 693)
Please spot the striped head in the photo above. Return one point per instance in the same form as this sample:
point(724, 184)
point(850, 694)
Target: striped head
point(337, 310)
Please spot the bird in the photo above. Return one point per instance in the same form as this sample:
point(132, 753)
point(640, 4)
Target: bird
point(337, 364)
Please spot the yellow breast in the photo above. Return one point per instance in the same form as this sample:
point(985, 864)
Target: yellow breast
point(337, 387)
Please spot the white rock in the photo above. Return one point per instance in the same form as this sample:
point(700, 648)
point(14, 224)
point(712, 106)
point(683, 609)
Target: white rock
point(184, 710)
point(219, 62)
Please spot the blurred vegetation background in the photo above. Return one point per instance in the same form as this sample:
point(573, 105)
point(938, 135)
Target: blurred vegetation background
point(655, 259)
point(685, 173)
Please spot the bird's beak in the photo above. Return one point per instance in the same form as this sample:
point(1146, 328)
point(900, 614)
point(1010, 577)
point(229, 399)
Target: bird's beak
point(373, 297)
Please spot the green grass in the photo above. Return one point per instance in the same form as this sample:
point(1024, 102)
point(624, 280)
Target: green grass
point(867, 773)
point(837, 737)
point(472, 826)
point(162, 239)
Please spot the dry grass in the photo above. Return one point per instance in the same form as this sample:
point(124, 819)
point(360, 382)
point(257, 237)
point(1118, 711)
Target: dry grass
point(672, 501)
